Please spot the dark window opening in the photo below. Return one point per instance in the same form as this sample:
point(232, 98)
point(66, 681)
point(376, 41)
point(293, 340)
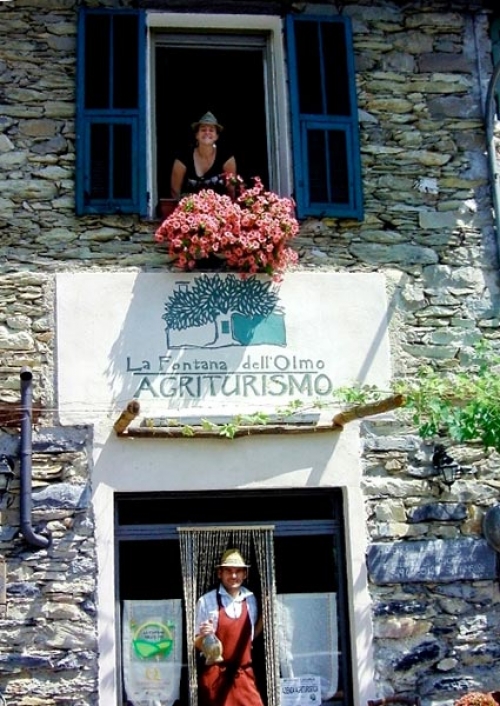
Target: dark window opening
point(111, 62)
point(99, 160)
point(194, 508)
point(229, 83)
point(122, 162)
point(111, 161)
point(97, 61)
point(125, 63)
point(323, 77)
point(308, 535)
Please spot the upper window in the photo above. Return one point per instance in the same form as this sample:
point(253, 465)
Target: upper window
point(136, 100)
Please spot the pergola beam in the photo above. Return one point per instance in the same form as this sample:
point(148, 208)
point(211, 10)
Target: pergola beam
point(177, 431)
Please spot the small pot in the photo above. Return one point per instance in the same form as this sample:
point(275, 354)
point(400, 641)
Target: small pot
point(166, 207)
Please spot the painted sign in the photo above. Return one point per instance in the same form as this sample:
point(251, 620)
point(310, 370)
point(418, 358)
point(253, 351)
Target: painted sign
point(300, 691)
point(196, 342)
point(217, 312)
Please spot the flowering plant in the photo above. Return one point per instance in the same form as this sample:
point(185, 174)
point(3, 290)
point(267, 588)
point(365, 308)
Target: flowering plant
point(476, 698)
point(251, 233)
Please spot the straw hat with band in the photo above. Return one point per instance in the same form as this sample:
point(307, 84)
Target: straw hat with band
point(232, 558)
point(207, 119)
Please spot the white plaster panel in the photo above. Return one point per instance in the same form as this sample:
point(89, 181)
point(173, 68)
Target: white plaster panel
point(328, 330)
point(328, 459)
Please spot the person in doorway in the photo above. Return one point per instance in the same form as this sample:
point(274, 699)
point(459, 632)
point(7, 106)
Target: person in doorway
point(230, 613)
point(205, 166)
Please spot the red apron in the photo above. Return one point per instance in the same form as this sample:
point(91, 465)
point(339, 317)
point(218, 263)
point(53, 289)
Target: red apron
point(231, 682)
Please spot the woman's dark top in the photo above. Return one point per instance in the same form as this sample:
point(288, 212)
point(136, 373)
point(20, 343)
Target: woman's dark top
point(213, 179)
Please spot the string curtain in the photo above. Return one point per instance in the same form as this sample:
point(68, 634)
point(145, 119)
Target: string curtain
point(201, 549)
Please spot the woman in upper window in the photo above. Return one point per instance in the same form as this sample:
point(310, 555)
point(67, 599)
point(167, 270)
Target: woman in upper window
point(205, 166)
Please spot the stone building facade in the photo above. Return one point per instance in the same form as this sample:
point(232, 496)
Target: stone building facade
point(422, 75)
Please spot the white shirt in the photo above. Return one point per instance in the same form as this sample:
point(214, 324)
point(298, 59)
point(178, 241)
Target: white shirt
point(207, 607)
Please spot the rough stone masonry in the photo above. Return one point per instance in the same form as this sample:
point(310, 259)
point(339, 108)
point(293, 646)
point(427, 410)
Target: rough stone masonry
point(422, 74)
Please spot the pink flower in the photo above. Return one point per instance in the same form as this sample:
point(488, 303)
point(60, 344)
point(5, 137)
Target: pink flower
point(476, 698)
point(251, 233)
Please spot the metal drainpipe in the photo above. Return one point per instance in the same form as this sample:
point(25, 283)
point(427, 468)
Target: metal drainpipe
point(492, 156)
point(25, 455)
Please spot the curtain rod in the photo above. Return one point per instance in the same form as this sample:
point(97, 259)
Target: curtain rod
point(219, 528)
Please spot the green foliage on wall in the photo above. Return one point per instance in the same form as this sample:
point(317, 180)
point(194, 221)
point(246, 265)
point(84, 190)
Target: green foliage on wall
point(463, 405)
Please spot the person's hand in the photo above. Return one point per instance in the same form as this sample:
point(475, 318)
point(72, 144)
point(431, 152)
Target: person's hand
point(207, 628)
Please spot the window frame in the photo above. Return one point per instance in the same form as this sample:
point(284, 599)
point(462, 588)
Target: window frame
point(333, 527)
point(277, 108)
point(286, 127)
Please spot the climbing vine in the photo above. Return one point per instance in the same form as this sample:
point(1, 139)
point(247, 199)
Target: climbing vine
point(463, 405)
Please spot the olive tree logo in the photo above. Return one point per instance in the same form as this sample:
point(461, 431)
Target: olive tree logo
point(215, 312)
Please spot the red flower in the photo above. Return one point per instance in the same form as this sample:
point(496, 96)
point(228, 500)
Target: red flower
point(251, 233)
point(476, 698)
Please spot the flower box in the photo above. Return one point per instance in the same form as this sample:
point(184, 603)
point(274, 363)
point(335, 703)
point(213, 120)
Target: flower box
point(250, 234)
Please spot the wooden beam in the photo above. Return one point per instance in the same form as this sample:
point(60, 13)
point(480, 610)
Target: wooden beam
point(187, 431)
point(127, 416)
point(368, 410)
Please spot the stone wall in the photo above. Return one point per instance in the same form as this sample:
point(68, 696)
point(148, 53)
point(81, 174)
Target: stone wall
point(438, 637)
point(422, 71)
point(48, 640)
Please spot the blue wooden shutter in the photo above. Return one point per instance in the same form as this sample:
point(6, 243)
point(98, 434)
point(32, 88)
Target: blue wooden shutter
point(495, 46)
point(110, 123)
point(495, 40)
point(324, 116)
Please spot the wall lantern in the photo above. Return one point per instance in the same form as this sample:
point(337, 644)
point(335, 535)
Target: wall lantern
point(6, 474)
point(447, 468)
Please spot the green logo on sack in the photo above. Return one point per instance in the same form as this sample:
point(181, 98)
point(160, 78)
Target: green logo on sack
point(153, 640)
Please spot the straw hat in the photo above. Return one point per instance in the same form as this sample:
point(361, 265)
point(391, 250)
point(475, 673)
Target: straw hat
point(233, 558)
point(207, 119)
